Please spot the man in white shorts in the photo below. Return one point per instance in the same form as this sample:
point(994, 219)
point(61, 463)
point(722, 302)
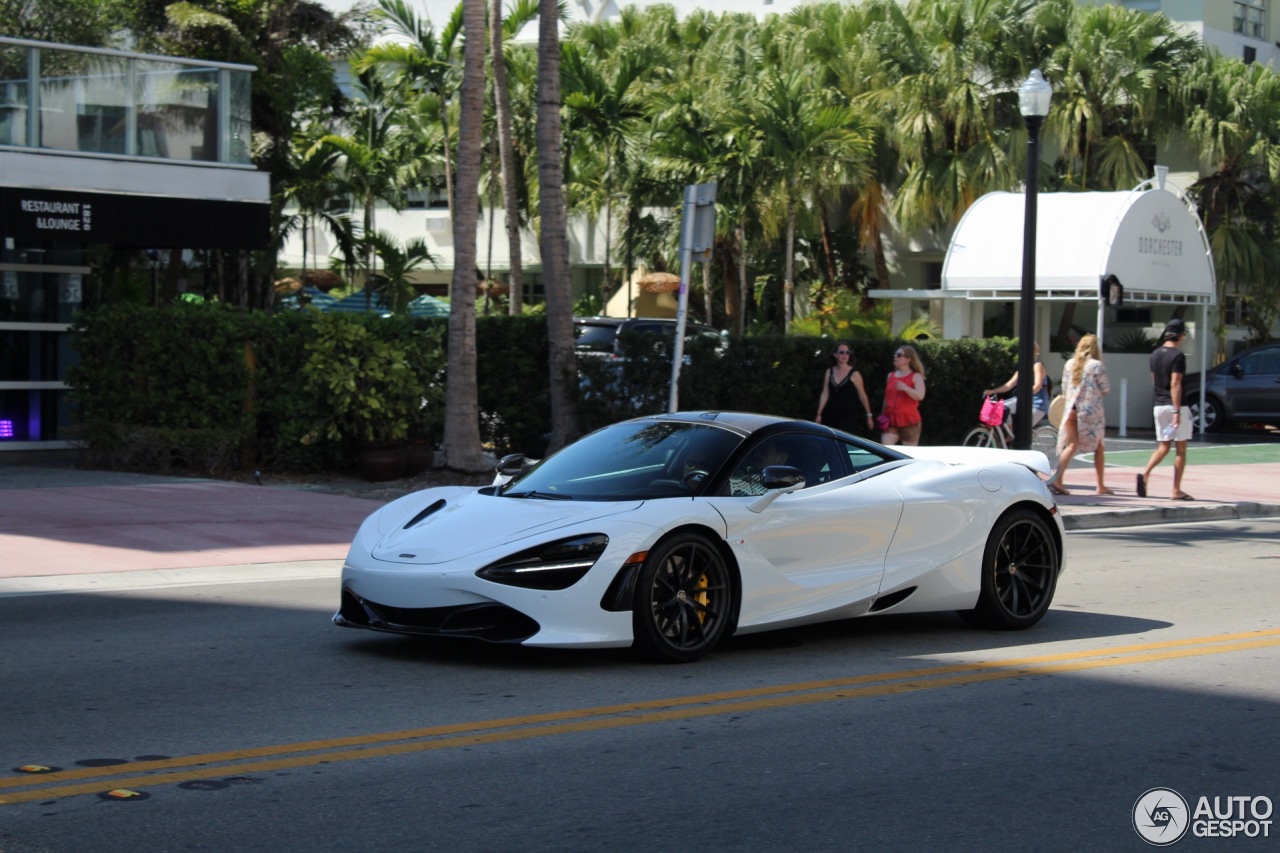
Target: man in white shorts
point(1173, 419)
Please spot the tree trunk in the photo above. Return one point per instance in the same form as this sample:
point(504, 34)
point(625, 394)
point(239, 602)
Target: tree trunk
point(726, 266)
point(882, 265)
point(788, 281)
point(462, 449)
point(707, 302)
point(507, 156)
point(742, 279)
point(448, 155)
point(555, 232)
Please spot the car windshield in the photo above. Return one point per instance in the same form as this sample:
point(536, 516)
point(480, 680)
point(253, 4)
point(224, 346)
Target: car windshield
point(633, 460)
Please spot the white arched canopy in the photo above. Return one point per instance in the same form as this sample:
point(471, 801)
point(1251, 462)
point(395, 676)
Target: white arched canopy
point(1150, 239)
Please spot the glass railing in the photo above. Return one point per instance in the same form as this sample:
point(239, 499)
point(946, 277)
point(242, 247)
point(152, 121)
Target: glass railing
point(108, 102)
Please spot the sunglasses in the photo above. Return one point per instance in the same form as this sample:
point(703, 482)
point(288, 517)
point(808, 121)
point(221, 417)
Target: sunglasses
point(899, 355)
point(842, 352)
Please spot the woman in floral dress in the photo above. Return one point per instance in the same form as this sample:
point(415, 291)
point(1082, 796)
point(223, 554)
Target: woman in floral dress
point(1084, 423)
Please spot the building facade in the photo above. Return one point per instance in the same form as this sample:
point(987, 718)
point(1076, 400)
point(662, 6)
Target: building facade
point(105, 148)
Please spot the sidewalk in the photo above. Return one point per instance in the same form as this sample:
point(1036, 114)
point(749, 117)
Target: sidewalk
point(1244, 484)
point(65, 528)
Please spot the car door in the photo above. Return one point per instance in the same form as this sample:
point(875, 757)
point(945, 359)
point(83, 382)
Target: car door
point(817, 549)
point(1255, 390)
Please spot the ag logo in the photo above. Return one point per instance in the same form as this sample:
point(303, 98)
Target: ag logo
point(1161, 816)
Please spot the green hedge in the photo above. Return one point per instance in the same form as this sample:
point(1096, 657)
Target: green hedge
point(210, 387)
point(783, 376)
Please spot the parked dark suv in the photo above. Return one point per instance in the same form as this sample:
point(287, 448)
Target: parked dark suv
point(601, 335)
point(1243, 389)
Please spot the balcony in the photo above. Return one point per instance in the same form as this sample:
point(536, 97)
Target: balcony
point(82, 101)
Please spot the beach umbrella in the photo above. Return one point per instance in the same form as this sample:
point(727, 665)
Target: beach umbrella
point(357, 302)
point(428, 306)
point(423, 306)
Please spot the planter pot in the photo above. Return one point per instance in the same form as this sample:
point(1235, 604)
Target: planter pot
point(381, 462)
point(419, 454)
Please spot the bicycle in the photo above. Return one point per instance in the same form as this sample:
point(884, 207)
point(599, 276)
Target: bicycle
point(1044, 437)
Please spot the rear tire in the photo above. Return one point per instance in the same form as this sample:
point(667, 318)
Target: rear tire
point(1019, 573)
point(1212, 416)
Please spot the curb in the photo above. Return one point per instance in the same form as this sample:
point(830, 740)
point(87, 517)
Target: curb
point(1168, 515)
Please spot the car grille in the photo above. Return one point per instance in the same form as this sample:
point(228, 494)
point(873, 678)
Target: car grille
point(494, 623)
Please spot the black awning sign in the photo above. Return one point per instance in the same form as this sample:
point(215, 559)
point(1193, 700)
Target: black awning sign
point(122, 219)
point(59, 217)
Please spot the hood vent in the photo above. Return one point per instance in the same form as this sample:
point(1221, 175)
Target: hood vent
point(435, 507)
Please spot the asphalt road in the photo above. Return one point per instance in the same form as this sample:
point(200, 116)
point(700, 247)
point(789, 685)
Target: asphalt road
point(234, 717)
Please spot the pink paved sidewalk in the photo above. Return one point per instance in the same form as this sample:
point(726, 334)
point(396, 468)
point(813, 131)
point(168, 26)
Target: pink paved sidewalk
point(170, 525)
point(1257, 482)
point(47, 528)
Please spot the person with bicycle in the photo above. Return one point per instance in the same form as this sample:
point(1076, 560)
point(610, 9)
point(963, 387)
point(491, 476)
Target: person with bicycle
point(1039, 395)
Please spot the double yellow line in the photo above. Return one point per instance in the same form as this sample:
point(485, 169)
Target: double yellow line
point(169, 771)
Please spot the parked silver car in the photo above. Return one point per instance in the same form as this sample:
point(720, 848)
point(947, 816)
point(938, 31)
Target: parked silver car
point(1243, 389)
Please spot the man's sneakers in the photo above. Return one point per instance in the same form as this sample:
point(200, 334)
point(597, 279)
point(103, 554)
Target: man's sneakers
point(1142, 486)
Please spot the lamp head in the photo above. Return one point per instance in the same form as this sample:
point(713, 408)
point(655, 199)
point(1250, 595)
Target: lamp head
point(1034, 95)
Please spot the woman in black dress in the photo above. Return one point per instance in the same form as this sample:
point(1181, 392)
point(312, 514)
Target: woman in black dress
point(843, 404)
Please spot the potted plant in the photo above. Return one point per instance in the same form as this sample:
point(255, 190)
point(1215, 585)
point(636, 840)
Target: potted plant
point(370, 385)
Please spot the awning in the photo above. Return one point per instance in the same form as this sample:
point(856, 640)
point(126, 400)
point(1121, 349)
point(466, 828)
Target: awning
point(1150, 239)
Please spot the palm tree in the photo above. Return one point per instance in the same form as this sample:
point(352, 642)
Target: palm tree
point(313, 184)
point(555, 231)
point(379, 159)
point(426, 60)
point(398, 261)
point(806, 137)
point(1113, 72)
point(462, 449)
point(940, 93)
point(1233, 111)
point(498, 28)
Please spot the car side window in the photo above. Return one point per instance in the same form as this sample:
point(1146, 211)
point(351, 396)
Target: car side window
point(1262, 363)
point(816, 457)
point(863, 458)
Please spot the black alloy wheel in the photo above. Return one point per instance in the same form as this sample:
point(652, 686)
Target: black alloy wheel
point(1019, 573)
point(686, 600)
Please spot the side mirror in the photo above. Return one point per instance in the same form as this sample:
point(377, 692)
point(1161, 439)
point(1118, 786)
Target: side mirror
point(782, 477)
point(1237, 370)
point(511, 465)
point(778, 480)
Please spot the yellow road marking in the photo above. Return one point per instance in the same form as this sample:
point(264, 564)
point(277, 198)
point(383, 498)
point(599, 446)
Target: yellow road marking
point(282, 757)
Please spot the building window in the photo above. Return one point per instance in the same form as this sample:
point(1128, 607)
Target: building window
point(1251, 18)
point(933, 275)
point(1236, 310)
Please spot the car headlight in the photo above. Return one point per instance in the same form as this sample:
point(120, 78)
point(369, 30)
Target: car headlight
point(555, 565)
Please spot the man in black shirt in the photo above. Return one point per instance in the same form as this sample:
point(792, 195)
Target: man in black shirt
point(1173, 419)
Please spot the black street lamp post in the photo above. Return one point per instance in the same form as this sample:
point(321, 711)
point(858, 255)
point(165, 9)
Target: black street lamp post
point(1033, 103)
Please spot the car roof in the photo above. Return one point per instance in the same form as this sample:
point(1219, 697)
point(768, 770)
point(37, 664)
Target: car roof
point(743, 422)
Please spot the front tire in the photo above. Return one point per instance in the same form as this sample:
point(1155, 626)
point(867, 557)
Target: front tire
point(1019, 573)
point(686, 600)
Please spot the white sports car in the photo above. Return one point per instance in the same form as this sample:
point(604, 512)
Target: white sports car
point(670, 533)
